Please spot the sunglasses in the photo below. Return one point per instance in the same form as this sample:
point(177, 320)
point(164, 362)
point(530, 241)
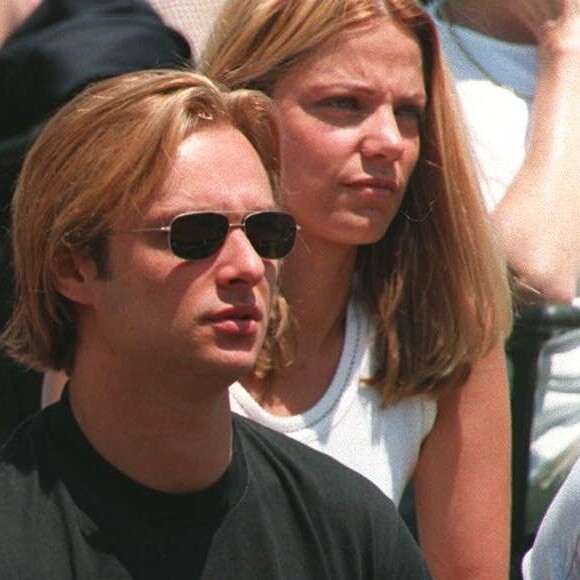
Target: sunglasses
point(199, 235)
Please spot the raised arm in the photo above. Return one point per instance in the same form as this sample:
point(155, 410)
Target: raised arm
point(539, 218)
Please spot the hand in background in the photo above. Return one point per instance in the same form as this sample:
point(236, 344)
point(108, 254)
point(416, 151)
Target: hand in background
point(555, 24)
point(539, 218)
point(13, 13)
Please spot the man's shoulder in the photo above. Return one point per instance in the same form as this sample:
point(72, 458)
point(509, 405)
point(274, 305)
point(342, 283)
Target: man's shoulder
point(22, 445)
point(27, 484)
point(345, 508)
point(313, 469)
point(29, 470)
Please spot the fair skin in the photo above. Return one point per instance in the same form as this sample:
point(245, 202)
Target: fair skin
point(538, 219)
point(350, 140)
point(161, 338)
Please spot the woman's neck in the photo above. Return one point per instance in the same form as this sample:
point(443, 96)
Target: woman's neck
point(490, 17)
point(317, 283)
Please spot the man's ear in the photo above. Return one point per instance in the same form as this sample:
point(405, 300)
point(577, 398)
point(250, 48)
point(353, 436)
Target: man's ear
point(74, 272)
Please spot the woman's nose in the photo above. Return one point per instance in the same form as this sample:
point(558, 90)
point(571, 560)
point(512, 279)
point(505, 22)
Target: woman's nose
point(382, 137)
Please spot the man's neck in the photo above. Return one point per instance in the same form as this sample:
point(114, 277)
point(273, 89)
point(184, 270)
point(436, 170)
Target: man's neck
point(161, 441)
point(489, 17)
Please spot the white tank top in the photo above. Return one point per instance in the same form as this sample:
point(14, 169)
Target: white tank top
point(348, 422)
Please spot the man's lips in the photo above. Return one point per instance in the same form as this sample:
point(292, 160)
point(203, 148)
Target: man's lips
point(237, 320)
point(237, 313)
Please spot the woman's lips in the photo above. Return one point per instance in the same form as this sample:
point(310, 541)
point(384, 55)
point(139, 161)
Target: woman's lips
point(378, 185)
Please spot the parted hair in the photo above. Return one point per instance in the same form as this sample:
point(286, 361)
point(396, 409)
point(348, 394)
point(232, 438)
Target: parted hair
point(436, 283)
point(103, 156)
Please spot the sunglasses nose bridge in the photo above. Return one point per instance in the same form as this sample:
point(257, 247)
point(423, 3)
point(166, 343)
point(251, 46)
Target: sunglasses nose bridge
point(241, 226)
point(237, 226)
point(245, 263)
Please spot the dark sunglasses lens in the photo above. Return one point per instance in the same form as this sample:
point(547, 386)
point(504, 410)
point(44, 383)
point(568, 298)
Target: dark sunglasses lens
point(198, 235)
point(271, 233)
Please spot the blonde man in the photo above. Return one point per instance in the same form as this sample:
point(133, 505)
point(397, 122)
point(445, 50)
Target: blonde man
point(147, 240)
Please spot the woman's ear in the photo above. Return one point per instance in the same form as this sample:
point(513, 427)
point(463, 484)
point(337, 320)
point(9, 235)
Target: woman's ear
point(73, 272)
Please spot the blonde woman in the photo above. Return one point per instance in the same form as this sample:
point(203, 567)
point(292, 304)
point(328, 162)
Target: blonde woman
point(399, 297)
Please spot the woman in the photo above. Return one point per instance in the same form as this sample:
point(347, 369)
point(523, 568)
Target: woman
point(398, 294)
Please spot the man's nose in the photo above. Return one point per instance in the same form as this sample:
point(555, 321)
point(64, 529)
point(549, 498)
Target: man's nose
point(240, 263)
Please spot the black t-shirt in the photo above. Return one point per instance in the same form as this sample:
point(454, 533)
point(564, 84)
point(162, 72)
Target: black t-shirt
point(281, 510)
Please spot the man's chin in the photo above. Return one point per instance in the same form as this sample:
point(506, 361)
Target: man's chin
point(236, 363)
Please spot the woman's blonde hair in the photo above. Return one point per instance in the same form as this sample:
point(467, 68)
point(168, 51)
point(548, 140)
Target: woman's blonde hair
point(436, 281)
point(104, 155)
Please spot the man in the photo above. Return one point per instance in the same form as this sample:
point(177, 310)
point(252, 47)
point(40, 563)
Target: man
point(146, 238)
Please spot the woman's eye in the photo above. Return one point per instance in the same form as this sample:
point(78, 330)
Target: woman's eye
point(342, 103)
point(412, 112)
